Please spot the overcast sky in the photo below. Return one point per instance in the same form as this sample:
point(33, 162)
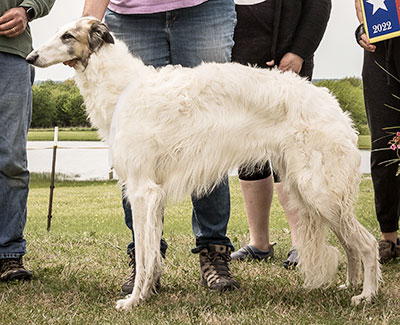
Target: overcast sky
point(338, 56)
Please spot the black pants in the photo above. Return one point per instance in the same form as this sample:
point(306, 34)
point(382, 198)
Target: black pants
point(253, 43)
point(379, 89)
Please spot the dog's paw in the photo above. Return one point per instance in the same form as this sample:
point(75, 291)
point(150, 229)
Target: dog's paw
point(356, 300)
point(126, 304)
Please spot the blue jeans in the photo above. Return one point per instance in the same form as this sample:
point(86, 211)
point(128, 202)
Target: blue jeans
point(186, 36)
point(15, 114)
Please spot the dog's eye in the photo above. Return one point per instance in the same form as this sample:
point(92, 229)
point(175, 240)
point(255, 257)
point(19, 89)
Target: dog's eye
point(66, 36)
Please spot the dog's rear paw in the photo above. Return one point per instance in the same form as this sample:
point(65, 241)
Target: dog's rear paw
point(356, 300)
point(126, 304)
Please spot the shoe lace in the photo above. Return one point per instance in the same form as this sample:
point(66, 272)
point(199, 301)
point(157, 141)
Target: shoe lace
point(220, 261)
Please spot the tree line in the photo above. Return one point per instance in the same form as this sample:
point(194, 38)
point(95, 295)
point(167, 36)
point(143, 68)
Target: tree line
point(57, 104)
point(60, 103)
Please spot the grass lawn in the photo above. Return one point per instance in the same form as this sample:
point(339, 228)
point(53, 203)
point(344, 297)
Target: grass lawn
point(87, 134)
point(364, 142)
point(64, 134)
point(81, 263)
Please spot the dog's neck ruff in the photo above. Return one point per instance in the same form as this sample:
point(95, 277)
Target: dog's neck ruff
point(108, 73)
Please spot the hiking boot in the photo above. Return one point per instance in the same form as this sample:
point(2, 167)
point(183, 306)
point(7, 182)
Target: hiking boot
point(388, 250)
point(249, 252)
point(215, 271)
point(13, 269)
point(127, 287)
point(292, 259)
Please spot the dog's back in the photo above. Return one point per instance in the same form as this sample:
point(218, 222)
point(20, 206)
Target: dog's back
point(172, 117)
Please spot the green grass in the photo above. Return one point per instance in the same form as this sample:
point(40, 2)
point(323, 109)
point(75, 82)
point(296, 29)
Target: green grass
point(64, 134)
point(81, 263)
point(364, 142)
point(86, 134)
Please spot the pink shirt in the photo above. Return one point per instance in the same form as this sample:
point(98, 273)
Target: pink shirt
point(150, 6)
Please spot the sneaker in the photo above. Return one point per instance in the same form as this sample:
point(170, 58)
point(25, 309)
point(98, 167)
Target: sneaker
point(292, 259)
point(13, 269)
point(250, 252)
point(127, 287)
point(215, 270)
point(388, 250)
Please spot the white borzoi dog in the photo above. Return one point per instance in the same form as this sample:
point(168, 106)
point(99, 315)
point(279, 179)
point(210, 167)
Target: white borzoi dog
point(177, 131)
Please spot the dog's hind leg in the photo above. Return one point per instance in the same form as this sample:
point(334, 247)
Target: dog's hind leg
point(147, 204)
point(360, 243)
point(353, 260)
point(318, 266)
point(317, 261)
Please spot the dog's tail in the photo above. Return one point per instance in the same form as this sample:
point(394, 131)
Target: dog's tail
point(318, 262)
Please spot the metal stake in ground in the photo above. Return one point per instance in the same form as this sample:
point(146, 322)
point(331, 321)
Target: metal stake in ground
point(53, 169)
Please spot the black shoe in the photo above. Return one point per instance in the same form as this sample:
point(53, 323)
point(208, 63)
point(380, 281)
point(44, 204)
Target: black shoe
point(250, 252)
point(215, 270)
point(13, 269)
point(292, 259)
point(127, 287)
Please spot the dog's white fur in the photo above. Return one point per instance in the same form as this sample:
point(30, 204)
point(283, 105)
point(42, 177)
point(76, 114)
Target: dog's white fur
point(179, 131)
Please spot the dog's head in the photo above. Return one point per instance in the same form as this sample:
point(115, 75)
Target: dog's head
point(75, 41)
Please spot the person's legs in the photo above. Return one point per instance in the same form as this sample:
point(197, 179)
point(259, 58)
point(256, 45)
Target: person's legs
point(204, 33)
point(15, 114)
point(253, 42)
point(257, 190)
point(257, 197)
point(379, 89)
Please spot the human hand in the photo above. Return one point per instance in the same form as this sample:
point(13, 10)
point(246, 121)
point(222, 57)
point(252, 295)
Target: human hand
point(290, 61)
point(362, 39)
point(13, 22)
point(361, 36)
point(364, 43)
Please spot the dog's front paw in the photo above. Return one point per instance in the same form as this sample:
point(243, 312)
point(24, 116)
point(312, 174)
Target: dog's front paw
point(126, 304)
point(356, 300)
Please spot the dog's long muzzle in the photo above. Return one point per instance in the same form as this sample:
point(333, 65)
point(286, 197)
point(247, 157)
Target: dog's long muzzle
point(32, 57)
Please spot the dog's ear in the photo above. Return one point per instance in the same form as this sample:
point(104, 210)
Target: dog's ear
point(98, 35)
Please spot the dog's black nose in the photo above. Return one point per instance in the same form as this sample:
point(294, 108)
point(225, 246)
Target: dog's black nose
point(31, 58)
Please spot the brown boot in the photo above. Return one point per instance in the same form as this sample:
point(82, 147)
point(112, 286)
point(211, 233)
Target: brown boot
point(127, 287)
point(13, 269)
point(388, 250)
point(215, 271)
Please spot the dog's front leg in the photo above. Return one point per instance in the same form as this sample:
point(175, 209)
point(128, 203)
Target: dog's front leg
point(147, 207)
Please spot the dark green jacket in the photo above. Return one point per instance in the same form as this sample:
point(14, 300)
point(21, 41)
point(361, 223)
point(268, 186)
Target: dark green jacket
point(22, 44)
